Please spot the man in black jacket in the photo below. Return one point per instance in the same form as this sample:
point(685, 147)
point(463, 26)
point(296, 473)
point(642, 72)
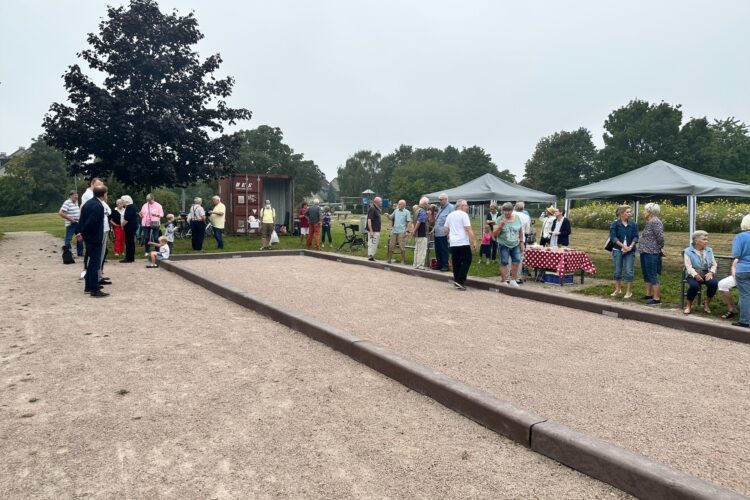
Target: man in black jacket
point(91, 230)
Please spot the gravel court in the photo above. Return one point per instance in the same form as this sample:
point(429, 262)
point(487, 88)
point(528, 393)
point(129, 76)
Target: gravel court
point(678, 398)
point(165, 390)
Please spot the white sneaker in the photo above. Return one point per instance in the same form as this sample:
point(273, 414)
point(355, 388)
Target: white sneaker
point(83, 275)
point(145, 254)
point(514, 283)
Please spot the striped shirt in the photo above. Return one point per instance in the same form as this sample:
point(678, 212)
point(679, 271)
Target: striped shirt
point(72, 210)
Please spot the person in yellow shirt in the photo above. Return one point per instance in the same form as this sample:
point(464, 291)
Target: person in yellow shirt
point(218, 219)
point(267, 223)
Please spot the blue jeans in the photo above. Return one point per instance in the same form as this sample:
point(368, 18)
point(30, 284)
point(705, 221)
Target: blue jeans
point(149, 235)
point(441, 251)
point(651, 267)
point(509, 254)
point(624, 260)
point(219, 235)
point(71, 230)
point(743, 285)
point(694, 287)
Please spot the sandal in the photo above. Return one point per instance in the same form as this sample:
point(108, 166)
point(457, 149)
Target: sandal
point(615, 293)
point(151, 266)
point(728, 315)
point(686, 311)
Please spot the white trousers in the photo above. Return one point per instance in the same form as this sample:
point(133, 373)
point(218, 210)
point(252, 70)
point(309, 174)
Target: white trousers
point(372, 245)
point(420, 251)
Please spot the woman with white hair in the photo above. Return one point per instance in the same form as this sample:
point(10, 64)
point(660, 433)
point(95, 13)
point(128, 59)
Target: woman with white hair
point(197, 220)
point(700, 267)
point(652, 247)
point(129, 224)
point(741, 252)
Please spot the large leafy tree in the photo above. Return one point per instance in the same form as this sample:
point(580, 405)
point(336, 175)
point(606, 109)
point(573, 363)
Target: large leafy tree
point(638, 134)
point(149, 121)
point(36, 181)
point(359, 173)
point(416, 177)
point(732, 149)
point(561, 161)
point(263, 151)
point(474, 162)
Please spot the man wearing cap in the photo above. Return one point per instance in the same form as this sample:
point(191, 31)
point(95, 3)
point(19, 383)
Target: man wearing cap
point(267, 223)
point(218, 220)
point(71, 212)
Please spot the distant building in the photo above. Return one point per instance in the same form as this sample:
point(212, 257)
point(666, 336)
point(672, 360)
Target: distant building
point(4, 158)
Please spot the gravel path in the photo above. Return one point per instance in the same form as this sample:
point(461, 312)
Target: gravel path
point(682, 399)
point(164, 390)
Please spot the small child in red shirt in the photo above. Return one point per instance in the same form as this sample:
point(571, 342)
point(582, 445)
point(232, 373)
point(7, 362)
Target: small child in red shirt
point(484, 250)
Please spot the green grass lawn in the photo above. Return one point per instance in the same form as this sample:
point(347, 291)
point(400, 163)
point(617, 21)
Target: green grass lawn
point(589, 240)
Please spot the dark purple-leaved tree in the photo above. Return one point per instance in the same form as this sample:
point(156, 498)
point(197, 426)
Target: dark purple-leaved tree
point(150, 121)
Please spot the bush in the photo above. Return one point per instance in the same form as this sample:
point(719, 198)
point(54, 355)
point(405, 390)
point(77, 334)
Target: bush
point(717, 216)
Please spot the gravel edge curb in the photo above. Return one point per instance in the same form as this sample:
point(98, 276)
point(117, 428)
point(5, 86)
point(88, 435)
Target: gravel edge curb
point(619, 467)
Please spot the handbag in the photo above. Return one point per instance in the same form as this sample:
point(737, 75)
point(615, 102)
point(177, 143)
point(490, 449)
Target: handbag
point(609, 245)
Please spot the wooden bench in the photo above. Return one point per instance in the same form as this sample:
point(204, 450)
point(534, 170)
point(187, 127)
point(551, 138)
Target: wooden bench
point(723, 269)
point(342, 214)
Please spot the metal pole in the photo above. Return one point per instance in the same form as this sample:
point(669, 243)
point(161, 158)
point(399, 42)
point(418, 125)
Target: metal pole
point(636, 211)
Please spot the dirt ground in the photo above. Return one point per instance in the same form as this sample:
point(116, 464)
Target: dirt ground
point(163, 390)
point(680, 398)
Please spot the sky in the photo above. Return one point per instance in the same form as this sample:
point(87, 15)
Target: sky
point(342, 76)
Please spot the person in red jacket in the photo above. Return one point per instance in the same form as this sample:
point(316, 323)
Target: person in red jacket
point(304, 223)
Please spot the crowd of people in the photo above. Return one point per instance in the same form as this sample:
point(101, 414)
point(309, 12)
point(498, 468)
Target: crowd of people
point(92, 222)
point(506, 234)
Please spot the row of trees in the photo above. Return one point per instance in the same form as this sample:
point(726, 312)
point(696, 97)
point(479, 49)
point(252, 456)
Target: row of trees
point(635, 135)
point(408, 172)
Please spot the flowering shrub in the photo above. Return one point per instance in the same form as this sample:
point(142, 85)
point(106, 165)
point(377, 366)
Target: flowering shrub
point(717, 216)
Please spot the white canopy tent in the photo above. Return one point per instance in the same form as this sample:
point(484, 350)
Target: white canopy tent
point(659, 179)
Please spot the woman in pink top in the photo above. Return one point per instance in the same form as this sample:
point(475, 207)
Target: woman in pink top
point(151, 214)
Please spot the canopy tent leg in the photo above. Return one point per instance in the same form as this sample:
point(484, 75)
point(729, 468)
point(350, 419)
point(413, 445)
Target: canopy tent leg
point(692, 207)
point(567, 206)
point(636, 205)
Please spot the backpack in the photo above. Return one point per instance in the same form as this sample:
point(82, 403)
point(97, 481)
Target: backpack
point(67, 255)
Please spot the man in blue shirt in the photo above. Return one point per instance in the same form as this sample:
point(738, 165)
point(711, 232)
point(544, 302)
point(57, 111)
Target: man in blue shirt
point(400, 219)
point(441, 239)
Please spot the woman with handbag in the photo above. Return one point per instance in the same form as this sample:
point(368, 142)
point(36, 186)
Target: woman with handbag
point(151, 214)
point(700, 269)
point(624, 236)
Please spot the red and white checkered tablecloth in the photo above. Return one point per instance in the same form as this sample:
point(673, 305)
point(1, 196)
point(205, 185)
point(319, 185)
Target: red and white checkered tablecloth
point(561, 262)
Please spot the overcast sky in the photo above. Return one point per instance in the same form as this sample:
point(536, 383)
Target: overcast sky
point(340, 76)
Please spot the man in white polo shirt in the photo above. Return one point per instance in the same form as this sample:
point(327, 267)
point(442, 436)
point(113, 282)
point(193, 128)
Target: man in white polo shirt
point(461, 241)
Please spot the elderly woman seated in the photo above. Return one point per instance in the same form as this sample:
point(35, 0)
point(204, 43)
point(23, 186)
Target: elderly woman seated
point(700, 269)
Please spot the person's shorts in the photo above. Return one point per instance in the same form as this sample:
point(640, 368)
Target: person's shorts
point(397, 239)
point(160, 257)
point(304, 231)
point(266, 229)
point(509, 254)
point(727, 284)
point(651, 267)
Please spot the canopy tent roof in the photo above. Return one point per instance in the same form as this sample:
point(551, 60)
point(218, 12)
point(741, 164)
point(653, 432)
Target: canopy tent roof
point(659, 179)
point(488, 187)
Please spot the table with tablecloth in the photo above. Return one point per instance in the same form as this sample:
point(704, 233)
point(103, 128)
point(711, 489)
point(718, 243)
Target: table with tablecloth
point(561, 262)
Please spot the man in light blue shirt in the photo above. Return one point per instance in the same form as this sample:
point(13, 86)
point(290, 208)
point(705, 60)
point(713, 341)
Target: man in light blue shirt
point(441, 239)
point(400, 219)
